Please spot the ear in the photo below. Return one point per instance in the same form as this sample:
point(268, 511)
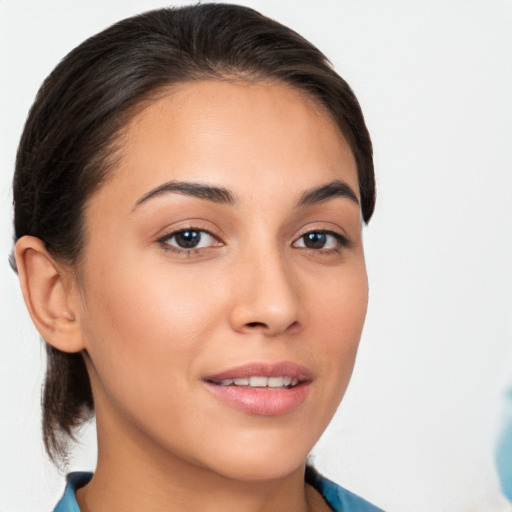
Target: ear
point(50, 295)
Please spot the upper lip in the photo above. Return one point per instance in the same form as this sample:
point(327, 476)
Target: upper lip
point(283, 368)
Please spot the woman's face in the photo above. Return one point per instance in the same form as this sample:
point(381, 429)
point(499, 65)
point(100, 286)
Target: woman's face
point(226, 245)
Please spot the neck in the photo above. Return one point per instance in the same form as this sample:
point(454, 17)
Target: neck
point(132, 474)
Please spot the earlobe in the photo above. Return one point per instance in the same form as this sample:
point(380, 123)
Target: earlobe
point(48, 295)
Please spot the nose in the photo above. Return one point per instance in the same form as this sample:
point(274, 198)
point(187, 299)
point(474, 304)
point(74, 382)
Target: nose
point(265, 296)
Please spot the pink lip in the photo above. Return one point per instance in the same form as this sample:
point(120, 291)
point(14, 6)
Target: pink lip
point(263, 370)
point(262, 401)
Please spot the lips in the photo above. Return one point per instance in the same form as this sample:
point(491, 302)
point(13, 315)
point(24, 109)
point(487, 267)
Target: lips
point(259, 381)
point(264, 370)
point(262, 389)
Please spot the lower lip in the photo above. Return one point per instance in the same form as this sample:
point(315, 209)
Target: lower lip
point(262, 401)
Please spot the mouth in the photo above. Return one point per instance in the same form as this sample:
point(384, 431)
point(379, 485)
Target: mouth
point(259, 381)
point(262, 389)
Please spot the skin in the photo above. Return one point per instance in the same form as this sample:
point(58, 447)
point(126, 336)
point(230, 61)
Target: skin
point(153, 322)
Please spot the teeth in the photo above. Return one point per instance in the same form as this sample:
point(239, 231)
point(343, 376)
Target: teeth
point(258, 382)
point(261, 382)
point(275, 382)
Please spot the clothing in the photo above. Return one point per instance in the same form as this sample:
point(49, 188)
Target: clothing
point(504, 449)
point(339, 499)
point(74, 482)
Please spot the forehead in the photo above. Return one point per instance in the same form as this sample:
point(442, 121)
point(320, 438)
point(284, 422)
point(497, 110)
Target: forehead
point(246, 136)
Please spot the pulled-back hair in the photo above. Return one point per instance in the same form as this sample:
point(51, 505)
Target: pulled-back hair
point(69, 142)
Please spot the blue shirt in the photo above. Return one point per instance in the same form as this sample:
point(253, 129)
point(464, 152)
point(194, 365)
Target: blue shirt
point(339, 499)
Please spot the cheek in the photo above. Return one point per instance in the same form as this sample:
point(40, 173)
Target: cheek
point(145, 323)
point(340, 311)
point(343, 299)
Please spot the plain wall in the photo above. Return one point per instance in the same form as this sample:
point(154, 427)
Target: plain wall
point(417, 429)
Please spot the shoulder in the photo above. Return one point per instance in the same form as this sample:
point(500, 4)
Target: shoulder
point(68, 501)
point(338, 498)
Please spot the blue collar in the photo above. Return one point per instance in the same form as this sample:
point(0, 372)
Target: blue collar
point(338, 498)
point(74, 482)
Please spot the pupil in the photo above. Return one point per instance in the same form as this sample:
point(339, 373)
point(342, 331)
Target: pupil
point(188, 239)
point(315, 240)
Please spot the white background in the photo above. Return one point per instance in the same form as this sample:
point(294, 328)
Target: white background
point(417, 429)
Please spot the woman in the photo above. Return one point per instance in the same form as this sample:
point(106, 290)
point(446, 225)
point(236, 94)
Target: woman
point(189, 194)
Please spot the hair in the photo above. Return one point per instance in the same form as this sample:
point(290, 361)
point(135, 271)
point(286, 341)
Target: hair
point(68, 145)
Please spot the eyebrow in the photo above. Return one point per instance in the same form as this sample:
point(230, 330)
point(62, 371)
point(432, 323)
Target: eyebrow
point(202, 191)
point(336, 188)
point(221, 195)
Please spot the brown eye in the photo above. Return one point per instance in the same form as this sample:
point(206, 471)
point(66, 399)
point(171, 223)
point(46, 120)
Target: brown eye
point(319, 240)
point(189, 239)
point(315, 240)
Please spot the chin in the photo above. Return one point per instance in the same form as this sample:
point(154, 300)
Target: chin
point(263, 460)
point(264, 470)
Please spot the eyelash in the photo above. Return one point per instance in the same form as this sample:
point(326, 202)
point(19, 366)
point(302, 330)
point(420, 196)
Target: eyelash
point(181, 251)
point(341, 242)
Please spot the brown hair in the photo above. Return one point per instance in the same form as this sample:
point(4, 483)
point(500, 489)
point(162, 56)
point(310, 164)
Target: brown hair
point(66, 149)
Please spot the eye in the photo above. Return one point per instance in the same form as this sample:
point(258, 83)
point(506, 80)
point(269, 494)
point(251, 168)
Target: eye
point(324, 240)
point(188, 239)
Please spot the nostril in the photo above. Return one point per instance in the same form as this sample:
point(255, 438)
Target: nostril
point(256, 324)
point(265, 327)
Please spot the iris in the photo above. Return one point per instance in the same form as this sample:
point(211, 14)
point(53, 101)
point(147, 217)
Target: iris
point(315, 240)
point(187, 239)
